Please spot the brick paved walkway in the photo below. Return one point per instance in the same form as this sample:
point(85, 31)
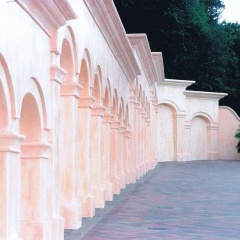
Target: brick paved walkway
point(190, 200)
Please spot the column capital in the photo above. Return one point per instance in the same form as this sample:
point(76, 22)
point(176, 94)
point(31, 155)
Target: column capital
point(127, 133)
point(10, 142)
point(86, 102)
point(140, 110)
point(98, 110)
point(212, 127)
point(71, 89)
point(35, 150)
point(108, 118)
point(115, 124)
point(121, 129)
point(57, 74)
point(133, 99)
point(136, 105)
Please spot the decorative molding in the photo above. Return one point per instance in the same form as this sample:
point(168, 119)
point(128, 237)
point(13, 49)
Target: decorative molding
point(140, 43)
point(10, 142)
point(176, 83)
point(57, 74)
point(48, 14)
point(98, 110)
point(106, 17)
point(159, 66)
point(230, 110)
point(32, 150)
point(204, 95)
point(71, 89)
point(86, 102)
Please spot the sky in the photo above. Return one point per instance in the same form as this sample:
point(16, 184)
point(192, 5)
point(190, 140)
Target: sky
point(232, 11)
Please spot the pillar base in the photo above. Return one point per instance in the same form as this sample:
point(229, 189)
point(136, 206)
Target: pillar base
point(98, 193)
point(36, 230)
point(58, 228)
point(127, 177)
point(122, 181)
point(88, 209)
point(108, 194)
point(116, 185)
point(133, 176)
point(72, 216)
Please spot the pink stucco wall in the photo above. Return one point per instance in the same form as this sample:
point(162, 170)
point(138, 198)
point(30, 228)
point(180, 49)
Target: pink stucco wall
point(229, 122)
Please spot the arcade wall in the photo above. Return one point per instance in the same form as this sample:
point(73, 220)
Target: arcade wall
point(85, 109)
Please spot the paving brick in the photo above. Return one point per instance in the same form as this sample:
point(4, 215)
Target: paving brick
point(187, 200)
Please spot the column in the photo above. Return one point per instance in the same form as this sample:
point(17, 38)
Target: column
point(144, 117)
point(136, 140)
point(107, 145)
point(132, 143)
point(127, 171)
point(10, 184)
point(213, 150)
point(187, 145)
point(84, 194)
point(114, 157)
point(96, 156)
point(70, 207)
point(179, 135)
point(35, 220)
point(140, 141)
point(57, 75)
point(121, 160)
point(148, 143)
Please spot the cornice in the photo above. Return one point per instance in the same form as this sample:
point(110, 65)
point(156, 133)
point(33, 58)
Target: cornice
point(204, 95)
point(159, 66)
point(140, 43)
point(176, 83)
point(230, 110)
point(48, 14)
point(106, 17)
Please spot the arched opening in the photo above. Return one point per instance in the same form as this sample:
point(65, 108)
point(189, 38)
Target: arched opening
point(30, 125)
point(96, 92)
point(3, 109)
point(199, 138)
point(84, 78)
point(32, 161)
point(166, 133)
point(106, 100)
point(66, 61)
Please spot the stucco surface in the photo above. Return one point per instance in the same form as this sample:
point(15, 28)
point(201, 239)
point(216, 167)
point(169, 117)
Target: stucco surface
point(83, 107)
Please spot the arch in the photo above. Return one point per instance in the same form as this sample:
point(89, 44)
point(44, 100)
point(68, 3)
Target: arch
point(4, 119)
point(199, 137)
point(85, 73)
point(96, 91)
point(115, 106)
point(140, 94)
point(108, 89)
point(67, 61)
point(166, 132)
point(106, 99)
point(203, 115)
point(171, 104)
point(30, 122)
point(97, 85)
point(7, 86)
point(126, 116)
point(136, 88)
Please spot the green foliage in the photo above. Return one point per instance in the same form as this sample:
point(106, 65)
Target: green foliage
point(194, 44)
point(237, 135)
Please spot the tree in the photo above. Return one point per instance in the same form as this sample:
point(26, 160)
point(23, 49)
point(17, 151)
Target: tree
point(194, 45)
point(237, 135)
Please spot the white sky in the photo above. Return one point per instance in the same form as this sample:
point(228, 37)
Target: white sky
point(232, 11)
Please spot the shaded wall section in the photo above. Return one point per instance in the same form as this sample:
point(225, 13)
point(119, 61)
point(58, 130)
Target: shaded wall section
point(229, 122)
